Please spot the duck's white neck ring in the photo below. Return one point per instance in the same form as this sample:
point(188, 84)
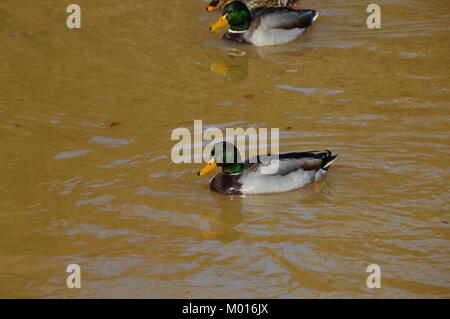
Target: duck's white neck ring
point(234, 31)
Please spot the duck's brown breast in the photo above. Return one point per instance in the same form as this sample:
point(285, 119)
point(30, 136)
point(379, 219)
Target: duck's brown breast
point(227, 184)
point(237, 37)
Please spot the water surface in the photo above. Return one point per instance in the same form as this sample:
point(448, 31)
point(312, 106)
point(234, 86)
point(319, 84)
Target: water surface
point(86, 118)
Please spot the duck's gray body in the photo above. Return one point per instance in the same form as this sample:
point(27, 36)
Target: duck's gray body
point(272, 26)
point(273, 175)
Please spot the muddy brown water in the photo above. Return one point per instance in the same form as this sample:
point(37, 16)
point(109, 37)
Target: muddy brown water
point(87, 178)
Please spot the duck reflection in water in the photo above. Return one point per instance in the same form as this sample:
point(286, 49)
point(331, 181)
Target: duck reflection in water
point(235, 211)
point(233, 66)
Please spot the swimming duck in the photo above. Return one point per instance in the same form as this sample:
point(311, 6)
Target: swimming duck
point(263, 26)
point(252, 4)
point(262, 175)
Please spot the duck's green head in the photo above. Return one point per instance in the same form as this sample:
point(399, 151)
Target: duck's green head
point(235, 14)
point(224, 155)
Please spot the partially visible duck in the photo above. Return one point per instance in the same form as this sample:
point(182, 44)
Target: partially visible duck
point(263, 26)
point(262, 175)
point(252, 4)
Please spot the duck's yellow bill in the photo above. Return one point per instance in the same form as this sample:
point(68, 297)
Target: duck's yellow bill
point(207, 168)
point(223, 21)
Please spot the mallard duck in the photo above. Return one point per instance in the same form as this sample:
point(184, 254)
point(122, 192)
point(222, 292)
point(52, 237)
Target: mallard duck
point(252, 4)
point(263, 26)
point(268, 174)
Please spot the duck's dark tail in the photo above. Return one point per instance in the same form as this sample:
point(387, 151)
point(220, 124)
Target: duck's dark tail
point(315, 15)
point(328, 160)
